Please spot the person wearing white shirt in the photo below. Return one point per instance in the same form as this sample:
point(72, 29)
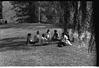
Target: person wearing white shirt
point(64, 40)
point(48, 35)
point(43, 39)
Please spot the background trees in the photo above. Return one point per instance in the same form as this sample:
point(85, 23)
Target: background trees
point(25, 11)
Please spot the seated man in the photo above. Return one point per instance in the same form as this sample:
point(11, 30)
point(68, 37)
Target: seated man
point(55, 36)
point(36, 37)
point(43, 39)
point(29, 38)
point(48, 35)
point(64, 40)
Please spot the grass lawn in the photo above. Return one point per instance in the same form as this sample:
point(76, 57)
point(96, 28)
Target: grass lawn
point(14, 52)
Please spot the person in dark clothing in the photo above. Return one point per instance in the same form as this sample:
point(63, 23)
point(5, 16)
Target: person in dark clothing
point(28, 38)
point(5, 21)
point(55, 36)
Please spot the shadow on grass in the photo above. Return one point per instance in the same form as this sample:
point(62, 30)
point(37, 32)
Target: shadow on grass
point(16, 43)
point(11, 39)
point(19, 45)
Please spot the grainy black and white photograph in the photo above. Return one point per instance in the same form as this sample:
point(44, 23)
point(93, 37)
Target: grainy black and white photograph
point(47, 33)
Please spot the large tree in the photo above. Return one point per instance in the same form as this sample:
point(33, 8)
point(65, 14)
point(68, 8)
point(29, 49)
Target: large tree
point(90, 25)
point(0, 9)
point(78, 15)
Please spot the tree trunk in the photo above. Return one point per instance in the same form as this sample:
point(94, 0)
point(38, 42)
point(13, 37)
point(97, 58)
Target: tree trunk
point(90, 25)
point(0, 9)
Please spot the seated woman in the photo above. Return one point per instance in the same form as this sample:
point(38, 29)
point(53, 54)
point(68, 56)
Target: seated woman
point(55, 36)
point(64, 40)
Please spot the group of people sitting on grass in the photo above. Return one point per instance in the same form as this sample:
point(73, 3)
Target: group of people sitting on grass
point(45, 38)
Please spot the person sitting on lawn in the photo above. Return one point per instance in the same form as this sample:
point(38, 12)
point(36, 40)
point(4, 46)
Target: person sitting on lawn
point(36, 37)
point(55, 36)
point(64, 40)
point(43, 39)
point(48, 34)
point(29, 38)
